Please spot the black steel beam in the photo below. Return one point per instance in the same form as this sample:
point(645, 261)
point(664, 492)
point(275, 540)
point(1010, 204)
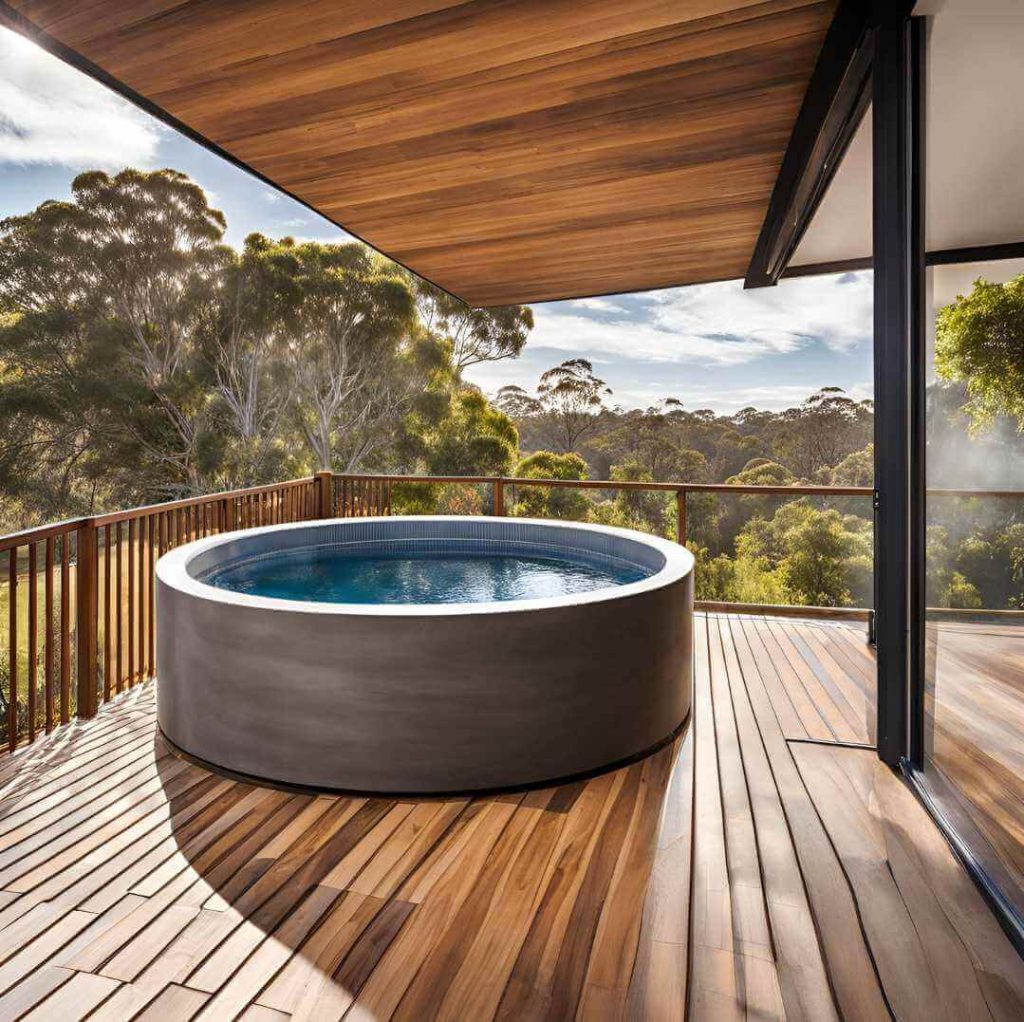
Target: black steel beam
point(836, 99)
point(833, 266)
point(898, 327)
point(940, 257)
point(976, 254)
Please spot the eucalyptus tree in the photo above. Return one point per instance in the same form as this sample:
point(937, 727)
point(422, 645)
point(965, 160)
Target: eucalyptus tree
point(249, 329)
point(516, 402)
point(571, 396)
point(352, 312)
point(475, 335)
point(816, 435)
point(103, 298)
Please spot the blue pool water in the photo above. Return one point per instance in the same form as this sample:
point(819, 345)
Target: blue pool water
point(330, 575)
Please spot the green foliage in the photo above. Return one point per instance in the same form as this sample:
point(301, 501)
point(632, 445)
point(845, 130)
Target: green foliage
point(142, 359)
point(979, 342)
point(608, 512)
point(106, 299)
point(473, 335)
point(463, 435)
point(650, 439)
point(799, 555)
point(762, 472)
point(551, 501)
point(816, 436)
point(646, 510)
point(472, 438)
point(733, 511)
point(571, 397)
point(961, 594)
point(856, 469)
point(816, 547)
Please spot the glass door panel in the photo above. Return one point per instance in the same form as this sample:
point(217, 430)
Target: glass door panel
point(973, 756)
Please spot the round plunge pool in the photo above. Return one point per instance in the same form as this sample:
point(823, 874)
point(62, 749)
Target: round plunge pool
point(423, 655)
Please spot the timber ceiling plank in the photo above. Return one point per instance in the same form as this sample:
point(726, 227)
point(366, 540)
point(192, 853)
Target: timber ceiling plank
point(508, 150)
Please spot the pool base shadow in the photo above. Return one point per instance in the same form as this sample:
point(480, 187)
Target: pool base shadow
point(374, 907)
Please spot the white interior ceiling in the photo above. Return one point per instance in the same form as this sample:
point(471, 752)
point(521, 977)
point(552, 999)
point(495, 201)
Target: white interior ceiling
point(974, 139)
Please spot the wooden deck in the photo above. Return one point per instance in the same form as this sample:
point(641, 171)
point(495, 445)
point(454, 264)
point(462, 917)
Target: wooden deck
point(974, 705)
point(764, 866)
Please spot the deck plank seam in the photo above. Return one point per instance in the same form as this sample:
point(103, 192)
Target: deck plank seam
point(822, 947)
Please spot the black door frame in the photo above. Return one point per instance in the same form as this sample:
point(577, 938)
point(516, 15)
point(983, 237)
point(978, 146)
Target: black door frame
point(899, 324)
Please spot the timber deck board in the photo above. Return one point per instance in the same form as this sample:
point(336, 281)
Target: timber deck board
point(756, 868)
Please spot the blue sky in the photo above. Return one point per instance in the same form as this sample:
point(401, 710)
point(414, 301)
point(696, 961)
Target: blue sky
point(711, 346)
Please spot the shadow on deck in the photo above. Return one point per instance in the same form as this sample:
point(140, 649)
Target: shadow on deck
point(766, 865)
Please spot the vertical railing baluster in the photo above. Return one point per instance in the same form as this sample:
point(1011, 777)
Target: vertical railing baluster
point(151, 598)
point(65, 628)
point(86, 617)
point(143, 557)
point(681, 517)
point(12, 647)
point(131, 602)
point(48, 609)
point(325, 494)
point(33, 639)
point(119, 610)
point(108, 646)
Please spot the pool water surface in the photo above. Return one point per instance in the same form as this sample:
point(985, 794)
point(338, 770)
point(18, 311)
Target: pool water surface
point(333, 575)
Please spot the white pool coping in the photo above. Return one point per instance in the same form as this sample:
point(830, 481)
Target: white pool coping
point(172, 570)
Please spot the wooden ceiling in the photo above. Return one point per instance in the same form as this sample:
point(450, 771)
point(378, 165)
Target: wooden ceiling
point(508, 150)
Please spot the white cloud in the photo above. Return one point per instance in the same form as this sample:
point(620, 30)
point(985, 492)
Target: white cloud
point(53, 114)
point(717, 324)
point(599, 305)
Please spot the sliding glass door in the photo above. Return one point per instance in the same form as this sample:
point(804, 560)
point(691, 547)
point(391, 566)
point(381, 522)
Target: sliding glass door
point(965, 553)
point(973, 713)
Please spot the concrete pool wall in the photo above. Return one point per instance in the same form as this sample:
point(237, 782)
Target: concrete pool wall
point(424, 699)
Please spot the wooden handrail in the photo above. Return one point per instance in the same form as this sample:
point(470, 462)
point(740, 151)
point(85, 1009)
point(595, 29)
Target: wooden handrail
point(787, 489)
point(70, 525)
point(609, 484)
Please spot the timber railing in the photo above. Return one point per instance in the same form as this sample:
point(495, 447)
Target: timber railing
point(372, 494)
point(80, 609)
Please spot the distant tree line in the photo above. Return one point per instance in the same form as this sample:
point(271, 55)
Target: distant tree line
point(806, 550)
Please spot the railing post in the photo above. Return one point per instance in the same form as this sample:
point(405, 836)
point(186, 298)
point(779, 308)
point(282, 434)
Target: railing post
point(229, 514)
point(498, 493)
point(681, 517)
point(324, 481)
point(87, 616)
